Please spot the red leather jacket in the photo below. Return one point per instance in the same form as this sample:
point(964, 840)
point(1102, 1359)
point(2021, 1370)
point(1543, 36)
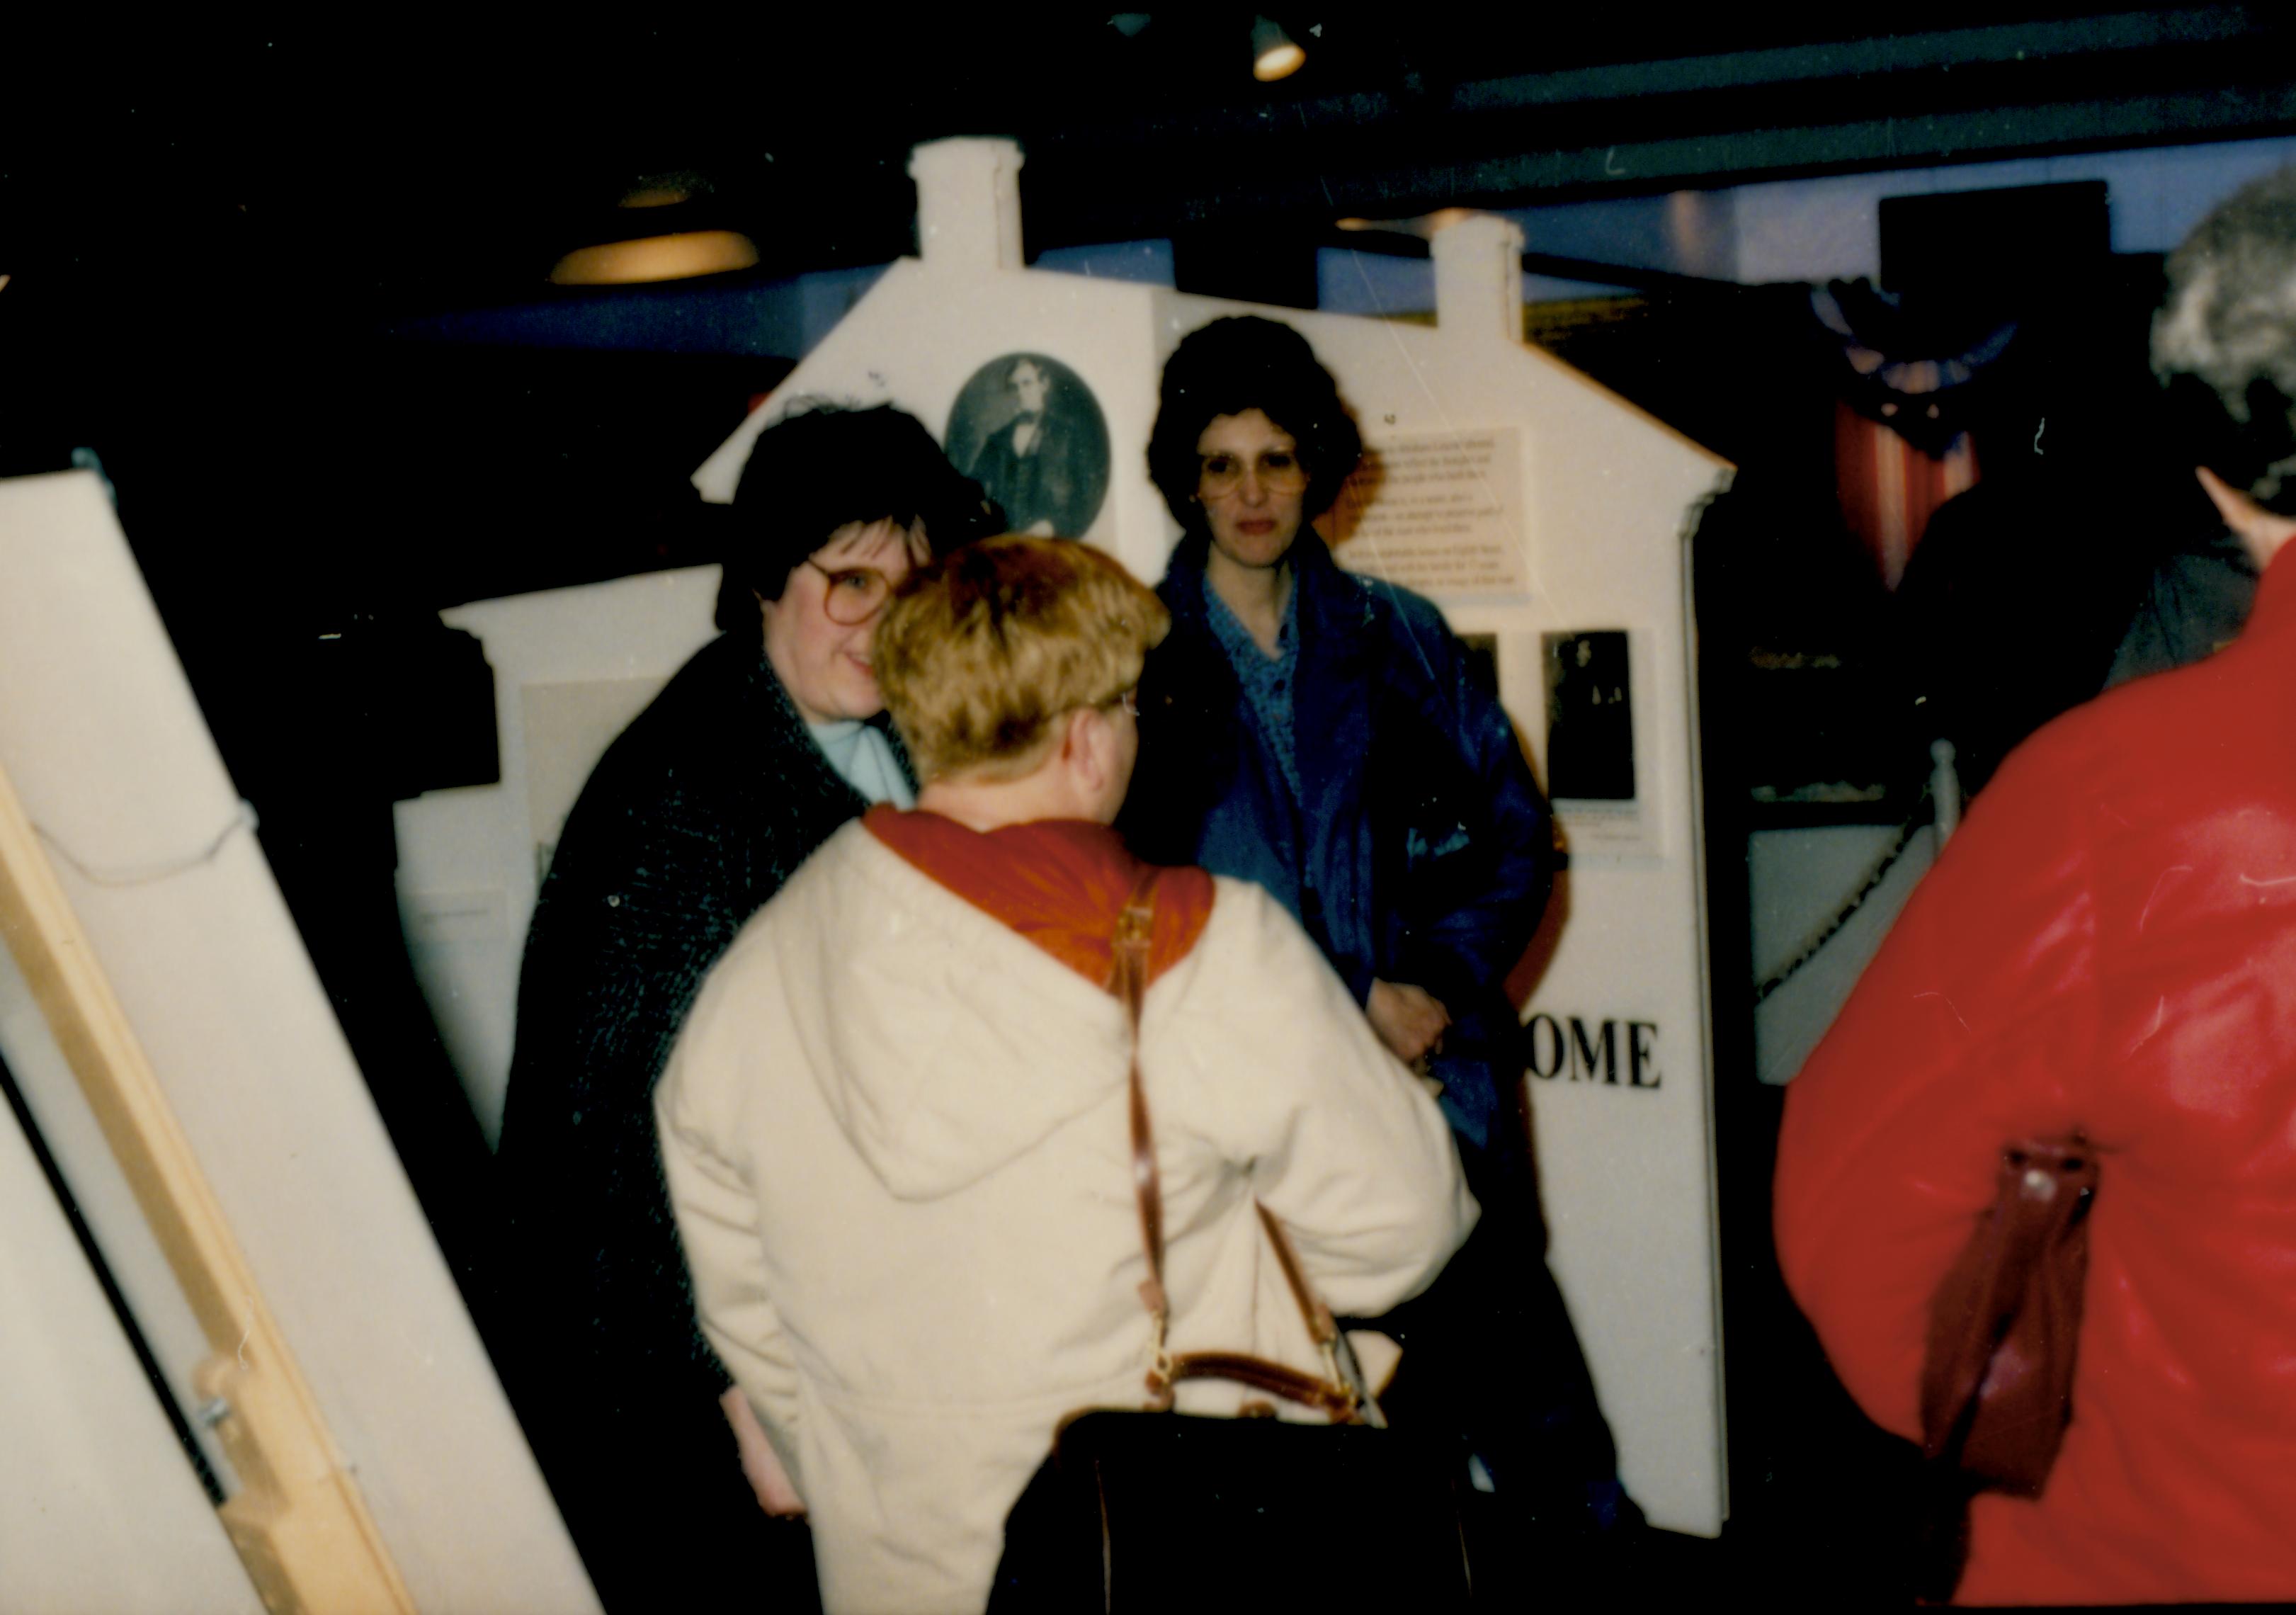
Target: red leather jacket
point(2109, 944)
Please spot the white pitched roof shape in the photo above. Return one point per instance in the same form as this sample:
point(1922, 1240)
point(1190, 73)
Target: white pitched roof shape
point(1527, 501)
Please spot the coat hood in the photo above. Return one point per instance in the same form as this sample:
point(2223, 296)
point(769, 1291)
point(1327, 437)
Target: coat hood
point(1020, 1033)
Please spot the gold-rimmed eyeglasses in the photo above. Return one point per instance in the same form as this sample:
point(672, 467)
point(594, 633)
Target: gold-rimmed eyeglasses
point(854, 594)
point(1278, 469)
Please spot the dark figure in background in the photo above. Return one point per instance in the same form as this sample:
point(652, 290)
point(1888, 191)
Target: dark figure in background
point(752, 757)
point(2195, 604)
point(1317, 733)
point(2085, 557)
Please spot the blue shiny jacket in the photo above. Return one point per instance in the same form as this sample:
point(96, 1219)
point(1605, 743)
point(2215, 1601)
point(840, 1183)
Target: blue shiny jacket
point(1421, 850)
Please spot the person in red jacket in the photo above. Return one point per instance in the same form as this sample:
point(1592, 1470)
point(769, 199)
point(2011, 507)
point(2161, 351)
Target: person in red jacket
point(2109, 946)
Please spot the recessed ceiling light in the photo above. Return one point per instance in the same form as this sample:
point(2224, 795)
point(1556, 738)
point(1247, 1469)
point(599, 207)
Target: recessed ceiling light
point(656, 257)
point(1275, 54)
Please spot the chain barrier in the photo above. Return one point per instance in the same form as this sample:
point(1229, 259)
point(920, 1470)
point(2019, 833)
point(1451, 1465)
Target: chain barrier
point(1867, 889)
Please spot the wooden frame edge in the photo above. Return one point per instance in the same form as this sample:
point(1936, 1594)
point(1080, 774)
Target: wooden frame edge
point(298, 1521)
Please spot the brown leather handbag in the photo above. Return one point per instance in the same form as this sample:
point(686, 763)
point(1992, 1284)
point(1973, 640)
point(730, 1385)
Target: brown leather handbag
point(1151, 1508)
point(2004, 1326)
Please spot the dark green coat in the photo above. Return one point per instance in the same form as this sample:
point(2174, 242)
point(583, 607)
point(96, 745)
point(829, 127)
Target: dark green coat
point(691, 822)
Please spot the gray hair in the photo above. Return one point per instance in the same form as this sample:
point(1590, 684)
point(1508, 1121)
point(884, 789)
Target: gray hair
point(2223, 342)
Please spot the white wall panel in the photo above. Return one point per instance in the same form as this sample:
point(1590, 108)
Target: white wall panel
point(100, 1509)
point(105, 746)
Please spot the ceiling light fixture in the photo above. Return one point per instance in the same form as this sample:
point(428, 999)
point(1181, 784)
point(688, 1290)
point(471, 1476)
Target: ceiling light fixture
point(656, 257)
point(669, 253)
point(1275, 54)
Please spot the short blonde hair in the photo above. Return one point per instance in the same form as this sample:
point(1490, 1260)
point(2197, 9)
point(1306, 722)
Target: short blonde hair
point(983, 650)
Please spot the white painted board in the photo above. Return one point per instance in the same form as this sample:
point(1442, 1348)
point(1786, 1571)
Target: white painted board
point(99, 1508)
point(571, 667)
point(105, 745)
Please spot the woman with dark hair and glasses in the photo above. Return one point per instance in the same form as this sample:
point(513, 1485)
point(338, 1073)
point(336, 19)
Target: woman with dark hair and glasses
point(752, 756)
point(1318, 732)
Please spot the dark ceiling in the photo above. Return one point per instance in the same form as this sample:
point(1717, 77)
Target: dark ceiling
point(209, 234)
point(407, 168)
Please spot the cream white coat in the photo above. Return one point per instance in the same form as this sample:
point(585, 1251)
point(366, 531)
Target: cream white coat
point(894, 1135)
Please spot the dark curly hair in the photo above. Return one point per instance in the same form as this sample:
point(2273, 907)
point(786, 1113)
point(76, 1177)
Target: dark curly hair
point(824, 465)
point(1245, 363)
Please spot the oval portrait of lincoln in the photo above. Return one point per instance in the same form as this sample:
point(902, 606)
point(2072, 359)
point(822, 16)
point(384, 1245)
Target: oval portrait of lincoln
point(1029, 432)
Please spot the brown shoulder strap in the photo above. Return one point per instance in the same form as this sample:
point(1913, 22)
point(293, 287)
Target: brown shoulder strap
point(1133, 926)
point(1340, 1396)
point(1321, 1324)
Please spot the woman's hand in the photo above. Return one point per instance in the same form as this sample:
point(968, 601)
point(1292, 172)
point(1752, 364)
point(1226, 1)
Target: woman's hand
point(1409, 1020)
point(759, 1462)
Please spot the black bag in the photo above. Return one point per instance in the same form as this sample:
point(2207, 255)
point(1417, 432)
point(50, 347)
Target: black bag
point(1167, 1511)
point(1154, 1510)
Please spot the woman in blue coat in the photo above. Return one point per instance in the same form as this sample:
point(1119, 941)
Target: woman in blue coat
point(1319, 733)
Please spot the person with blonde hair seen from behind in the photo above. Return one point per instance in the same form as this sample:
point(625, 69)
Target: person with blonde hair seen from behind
point(2106, 951)
point(896, 1128)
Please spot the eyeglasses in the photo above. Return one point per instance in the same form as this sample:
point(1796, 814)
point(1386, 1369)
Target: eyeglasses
point(1129, 699)
point(1279, 472)
point(855, 593)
